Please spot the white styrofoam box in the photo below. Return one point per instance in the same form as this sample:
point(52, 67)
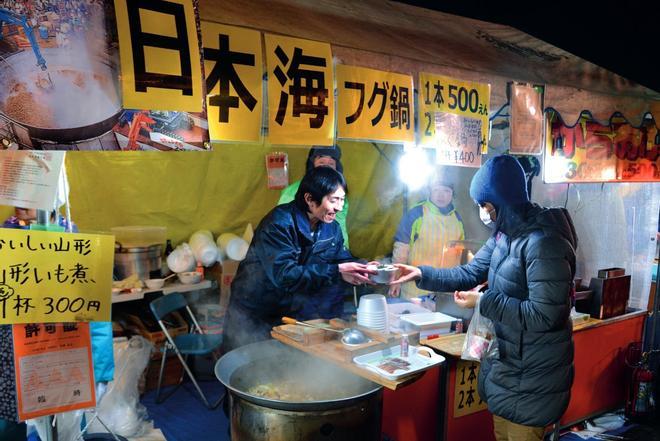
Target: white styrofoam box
point(396, 310)
point(429, 320)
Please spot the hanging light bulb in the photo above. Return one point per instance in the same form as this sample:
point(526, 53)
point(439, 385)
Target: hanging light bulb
point(414, 167)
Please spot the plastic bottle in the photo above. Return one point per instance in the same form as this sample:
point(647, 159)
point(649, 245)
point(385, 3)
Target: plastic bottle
point(168, 247)
point(404, 345)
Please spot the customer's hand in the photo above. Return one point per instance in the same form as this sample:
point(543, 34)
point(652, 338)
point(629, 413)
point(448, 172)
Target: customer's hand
point(356, 273)
point(466, 299)
point(407, 273)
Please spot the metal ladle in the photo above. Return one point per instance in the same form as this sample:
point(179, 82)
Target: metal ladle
point(350, 336)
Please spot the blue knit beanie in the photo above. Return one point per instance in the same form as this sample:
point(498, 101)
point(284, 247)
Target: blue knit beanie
point(500, 181)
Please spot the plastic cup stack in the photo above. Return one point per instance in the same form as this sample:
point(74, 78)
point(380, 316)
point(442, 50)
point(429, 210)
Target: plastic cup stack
point(372, 312)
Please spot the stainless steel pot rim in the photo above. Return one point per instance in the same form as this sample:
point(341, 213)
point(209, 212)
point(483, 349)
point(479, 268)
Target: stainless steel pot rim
point(121, 249)
point(237, 358)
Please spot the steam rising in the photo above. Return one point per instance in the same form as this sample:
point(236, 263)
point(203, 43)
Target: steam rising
point(272, 362)
point(84, 86)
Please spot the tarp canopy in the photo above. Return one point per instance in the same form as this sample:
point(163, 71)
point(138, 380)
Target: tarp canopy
point(402, 38)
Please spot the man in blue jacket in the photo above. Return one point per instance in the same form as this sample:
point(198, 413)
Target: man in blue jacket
point(297, 250)
point(529, 263)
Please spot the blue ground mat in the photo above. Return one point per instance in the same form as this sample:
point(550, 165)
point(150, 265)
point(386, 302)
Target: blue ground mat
point(183, 416)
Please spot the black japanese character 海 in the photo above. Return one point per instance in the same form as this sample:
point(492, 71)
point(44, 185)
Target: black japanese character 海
point(223, 72)
point(307, 83)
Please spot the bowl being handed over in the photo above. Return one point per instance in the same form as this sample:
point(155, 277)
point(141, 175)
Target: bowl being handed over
point(386, 273)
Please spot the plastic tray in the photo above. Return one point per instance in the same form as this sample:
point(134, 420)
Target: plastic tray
point(417, 359)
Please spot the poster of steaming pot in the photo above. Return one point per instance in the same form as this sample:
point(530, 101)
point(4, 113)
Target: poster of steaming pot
point(59, 83)
point(58, 72)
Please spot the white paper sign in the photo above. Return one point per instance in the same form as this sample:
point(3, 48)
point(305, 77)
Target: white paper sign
point(30, 179)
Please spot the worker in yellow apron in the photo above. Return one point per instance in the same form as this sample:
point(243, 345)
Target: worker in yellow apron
point(425, 232)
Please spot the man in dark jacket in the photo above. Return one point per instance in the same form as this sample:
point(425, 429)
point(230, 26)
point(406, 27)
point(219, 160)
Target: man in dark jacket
point(529, 264)
point(297, 250)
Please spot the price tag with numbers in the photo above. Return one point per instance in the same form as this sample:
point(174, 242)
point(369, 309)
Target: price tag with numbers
point(453, 117)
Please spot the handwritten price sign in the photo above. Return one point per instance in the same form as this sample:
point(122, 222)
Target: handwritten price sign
point(54, 277)
point(453, 117)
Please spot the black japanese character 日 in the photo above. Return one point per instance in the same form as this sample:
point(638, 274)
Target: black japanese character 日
point(307, 83)
point(179, 43)
point(223, 72)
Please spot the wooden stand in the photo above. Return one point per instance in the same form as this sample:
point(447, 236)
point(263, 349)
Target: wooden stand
point(328, 346)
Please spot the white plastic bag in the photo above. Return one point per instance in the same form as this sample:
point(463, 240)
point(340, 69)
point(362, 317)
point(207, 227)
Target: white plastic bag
point(120, 408)
point(480, 341)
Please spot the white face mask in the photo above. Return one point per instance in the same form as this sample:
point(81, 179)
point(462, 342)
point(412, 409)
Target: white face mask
point(484, 215)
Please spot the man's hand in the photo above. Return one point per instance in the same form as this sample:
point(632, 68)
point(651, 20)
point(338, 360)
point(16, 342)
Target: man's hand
point(466, 299)
point(395, 290)
point(356, 273)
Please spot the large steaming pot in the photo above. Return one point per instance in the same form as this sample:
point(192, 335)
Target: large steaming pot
point(341, 406)
point(83, 103)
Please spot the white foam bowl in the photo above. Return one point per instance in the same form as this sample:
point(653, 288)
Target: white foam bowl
point(373, 303)
point(154, 283)
point(189, 277)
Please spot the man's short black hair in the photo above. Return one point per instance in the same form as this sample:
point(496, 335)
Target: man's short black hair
point(319, 182)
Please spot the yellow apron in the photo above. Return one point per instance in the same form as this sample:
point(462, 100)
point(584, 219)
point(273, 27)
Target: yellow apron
point(430, 248)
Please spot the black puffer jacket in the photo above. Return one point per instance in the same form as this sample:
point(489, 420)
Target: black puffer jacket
point(530, 272)
point(285, 266)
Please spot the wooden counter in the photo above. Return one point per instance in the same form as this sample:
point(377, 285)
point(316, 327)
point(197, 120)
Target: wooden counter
point(598, 386)
point(331, 350)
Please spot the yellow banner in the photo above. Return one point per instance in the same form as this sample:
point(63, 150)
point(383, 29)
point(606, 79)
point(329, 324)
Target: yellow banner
point(234, 68)
point(300, 91)
point(374, 105)
point(466, 396)
point(159, 53)
point(50, 277)
point(453, 118)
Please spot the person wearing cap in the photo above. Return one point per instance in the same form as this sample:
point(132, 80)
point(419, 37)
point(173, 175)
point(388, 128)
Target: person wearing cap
point(297, 252)
point(425, 230)
point(321, 156)
point(529, 263)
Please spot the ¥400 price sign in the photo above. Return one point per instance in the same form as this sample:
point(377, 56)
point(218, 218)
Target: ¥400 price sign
point(468, 100)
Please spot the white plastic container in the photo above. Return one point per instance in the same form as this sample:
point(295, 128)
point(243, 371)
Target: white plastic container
point(429, 320)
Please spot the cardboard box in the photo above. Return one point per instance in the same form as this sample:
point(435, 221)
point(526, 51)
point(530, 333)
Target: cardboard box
point(229, 269)
point(171, 374)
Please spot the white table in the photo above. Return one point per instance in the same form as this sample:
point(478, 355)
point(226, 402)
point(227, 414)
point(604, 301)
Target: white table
point(167, 289)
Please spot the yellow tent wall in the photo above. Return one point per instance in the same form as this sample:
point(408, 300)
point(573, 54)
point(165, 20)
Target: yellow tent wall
point(223, 190)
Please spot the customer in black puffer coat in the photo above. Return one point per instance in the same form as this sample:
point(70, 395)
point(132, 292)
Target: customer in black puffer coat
point(529, 263)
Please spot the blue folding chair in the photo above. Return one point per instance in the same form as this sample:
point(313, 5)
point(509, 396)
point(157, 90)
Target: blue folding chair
point(193, 343)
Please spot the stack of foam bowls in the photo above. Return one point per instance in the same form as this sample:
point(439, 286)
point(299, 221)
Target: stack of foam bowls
point(372, 312)
point(204, 247)
point(232, 247)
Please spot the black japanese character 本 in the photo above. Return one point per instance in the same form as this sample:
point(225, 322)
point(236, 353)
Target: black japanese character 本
point(223, 72)
point(306, 83)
